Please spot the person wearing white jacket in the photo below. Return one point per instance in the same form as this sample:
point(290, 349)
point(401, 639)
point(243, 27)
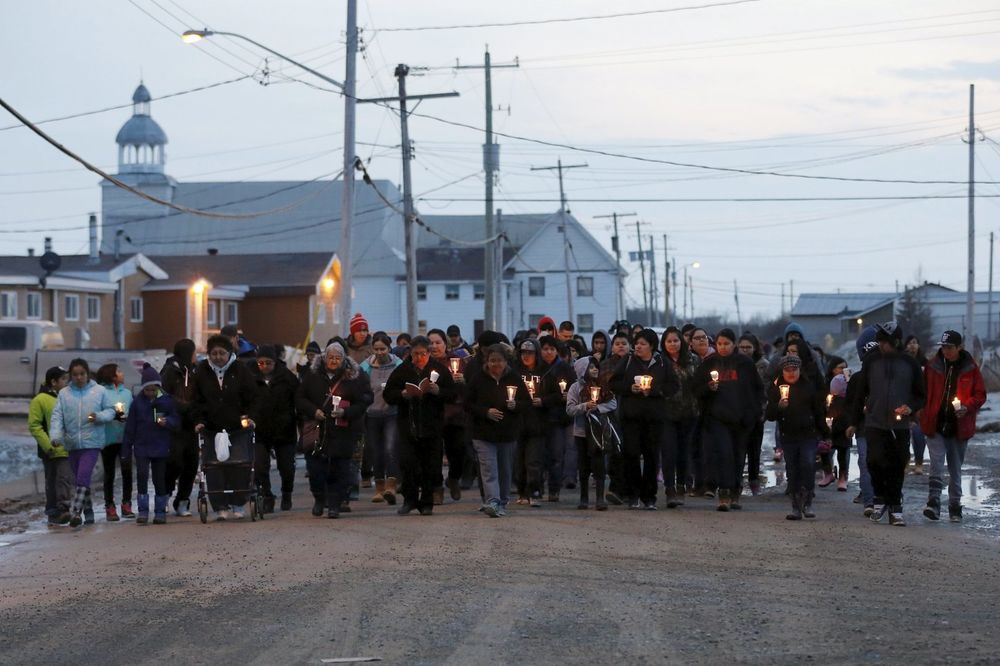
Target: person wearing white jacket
point(77, 424)
point(591, 404)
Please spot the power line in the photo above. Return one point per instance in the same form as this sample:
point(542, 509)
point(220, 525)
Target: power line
point(731, 199)
point(572, 19)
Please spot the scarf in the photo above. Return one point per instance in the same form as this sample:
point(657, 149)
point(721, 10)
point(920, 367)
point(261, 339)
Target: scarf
point(220, 373)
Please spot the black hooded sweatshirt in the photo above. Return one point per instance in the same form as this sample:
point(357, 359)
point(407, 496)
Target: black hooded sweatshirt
point(637, 405)
point(738, 400)
point(803, 417)
point(533, 418)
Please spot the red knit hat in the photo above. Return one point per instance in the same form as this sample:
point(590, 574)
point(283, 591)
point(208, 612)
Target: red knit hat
point(546, 323)
point(358, 323)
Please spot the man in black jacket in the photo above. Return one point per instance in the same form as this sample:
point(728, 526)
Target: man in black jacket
point(177, 376)
point(420, 387)
point(276, 432)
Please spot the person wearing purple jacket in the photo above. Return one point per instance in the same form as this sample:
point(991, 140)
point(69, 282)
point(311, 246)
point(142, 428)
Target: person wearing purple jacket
point(151, 419)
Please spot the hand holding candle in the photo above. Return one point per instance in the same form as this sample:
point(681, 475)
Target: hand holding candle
point(511, 392)
point(455, 364)
point(714, 374)
point(783, 391)
point(562, 385)
point(434, 376)
point(595, 393)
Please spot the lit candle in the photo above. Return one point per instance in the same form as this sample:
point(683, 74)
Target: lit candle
point(829, 399)
point(511, 392)
point(714, 374)
point(383, 386)
point(595, 393)
point(829, 422)
point(645, 382)
point(455, 364)
point(335, 401)
point(562, 385)
point(244, 422)
point(531, 387)
point(956, 404)
point(120, 407)
point(434, 376)
point(783, 391)
point(899, 417)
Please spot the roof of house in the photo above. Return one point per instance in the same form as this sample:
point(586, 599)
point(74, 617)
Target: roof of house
point(306, 219)
point(838, 304)
point(262, 273)
point(79, 266)
point(463, 264)
point(518, 228)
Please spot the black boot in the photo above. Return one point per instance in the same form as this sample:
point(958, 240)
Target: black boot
point(286, 501)
point(268, 503)
point(319, 504)
point(671, 493)
point(601, 504)
point(807, 504)
point(796, 512)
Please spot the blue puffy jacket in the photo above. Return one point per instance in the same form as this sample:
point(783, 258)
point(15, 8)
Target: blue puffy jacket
point(114, 431)
point(143, 435)
point(70, 426)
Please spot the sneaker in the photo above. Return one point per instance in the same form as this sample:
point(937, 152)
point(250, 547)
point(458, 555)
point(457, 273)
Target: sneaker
point(955, 513)
point(237, 513)
point(223, 515)
point(857, 499)
point(426, 510)
point(932, 511)
point(333, 513)
point(111, 514)
point(896, 519)
point(406, 509)
point(709, 494)
point(535, 502)
point(127, 510)
point(878, 511)
point(183, 508)
point(491, 510)
point(60, 519)
point(634, 504)
point(649, 506)
point(613, 498)
point(755, 488)
point(317, 509)
point(869, 510)
point(88, 517)
point(501, 510)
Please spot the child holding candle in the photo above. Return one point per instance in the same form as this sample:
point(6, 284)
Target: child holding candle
point(560, 450)
point(112, 379)
point(151, 418)
point(590, 404)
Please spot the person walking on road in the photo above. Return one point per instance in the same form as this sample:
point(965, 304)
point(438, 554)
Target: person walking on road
point(177, 376)
point(381, 429)
point(151, 418)
point(276, 431)
point(112, 379)
point(955, 394)
point(55, 459)
point(591, 405)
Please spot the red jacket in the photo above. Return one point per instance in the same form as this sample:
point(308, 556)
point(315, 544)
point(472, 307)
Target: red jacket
point(970, 389)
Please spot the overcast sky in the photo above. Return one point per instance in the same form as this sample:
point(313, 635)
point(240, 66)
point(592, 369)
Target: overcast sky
point(849, 89)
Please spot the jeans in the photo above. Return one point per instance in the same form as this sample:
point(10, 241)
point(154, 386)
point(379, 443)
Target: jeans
point(695, 467)
point(865, 479)
point(329, 479)
point(58, 485)
point(888, 455)
point(800, 463)
point(722, 450)
point(641, 437)
point(382, 434)
point(674, 452)
point(591, 462)
point(182, 465)
point(528, 465)
point(919, 443)
point(284, 456)
point(142, 473)
point(109, 455)
point(82, 462)
point(571, 461)
point(495, 462)
point(951, 450)
point(557, 442)
point(755, 443)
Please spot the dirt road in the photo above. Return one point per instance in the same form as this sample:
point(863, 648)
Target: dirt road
point(545, 585)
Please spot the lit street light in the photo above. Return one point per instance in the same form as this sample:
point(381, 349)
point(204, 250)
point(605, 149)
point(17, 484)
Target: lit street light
point(348, 89)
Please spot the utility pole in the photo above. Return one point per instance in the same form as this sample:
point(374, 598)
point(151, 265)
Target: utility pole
point(642, 269)
point(989, 302)
point(347, 196)
point(691, 289)
point(617, 247)
point(782, 300)
point(791, 297)
point(654, 293)
point(565, 227)
point(409, 214)
point(970, 297)
point(491, 164)
point(666, 281)
point(736, 297)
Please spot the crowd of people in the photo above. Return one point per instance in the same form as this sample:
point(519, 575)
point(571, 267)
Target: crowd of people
point(631, 415)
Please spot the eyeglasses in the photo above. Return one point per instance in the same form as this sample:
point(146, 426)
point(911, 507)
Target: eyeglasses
point(746, 347)
point(699, 337)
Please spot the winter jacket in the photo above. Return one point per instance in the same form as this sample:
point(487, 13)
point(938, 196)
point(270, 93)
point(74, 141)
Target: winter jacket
point(220, 405)
point(39, 424)
point(888, 381)
point(421, 417)
point(552, 395)
point(115, 430)
point(966, 384)
point(352, 385)
point(277, 424)
point(578, 397)
point(484, 393)
point(69, 425)
point(650, 407)
point(378, 375)
point(177, 379)
point(738, 400)
point(682, 404)
point(359, 353)
point(455, 414)
point(803, 418)
point(533, 419)
point(142, 435)
point(607, 344)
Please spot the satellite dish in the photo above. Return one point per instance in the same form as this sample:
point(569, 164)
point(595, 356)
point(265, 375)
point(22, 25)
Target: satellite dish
point(50, 262)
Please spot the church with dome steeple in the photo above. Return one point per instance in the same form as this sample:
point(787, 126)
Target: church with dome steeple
point(141, 141)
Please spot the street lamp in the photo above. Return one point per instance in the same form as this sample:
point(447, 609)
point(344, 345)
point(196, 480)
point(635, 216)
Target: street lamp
point(348, 89)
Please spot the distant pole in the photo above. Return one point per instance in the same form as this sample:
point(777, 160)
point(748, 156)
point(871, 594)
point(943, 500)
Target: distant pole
point(653, 317)
point(989, 302)
point(616, 245)
point(642, 270)
point(673, 279)
point(736, 297)
point(410, 245)
point(691, 289)
point(791, 297)
point(970, 297)
point(782, 300)
point(684, 286)
point(347, 197)
point(666, 282)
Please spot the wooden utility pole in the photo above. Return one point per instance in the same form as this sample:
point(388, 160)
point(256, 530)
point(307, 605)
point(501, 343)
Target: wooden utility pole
point(617, 247)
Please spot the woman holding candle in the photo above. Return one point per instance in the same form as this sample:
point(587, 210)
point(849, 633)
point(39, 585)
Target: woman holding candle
point(792, 402)
point(529, 455)
point(381, 431)
point(456, 426)
point(337, 394)
point(495, 400)
point(681, 419)
point(642, 382)
point(77, 425)
point(560, 452)
point(590, 404)
point(151, 418)
point(730, 396)
point(112, 379)
point(749, 345)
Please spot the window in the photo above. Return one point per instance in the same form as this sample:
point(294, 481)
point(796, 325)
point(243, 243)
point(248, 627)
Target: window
point(71, 308)
point(93, 308)
point(585, 286)
point(135, 308)
point(13, 338)
point(321, 314)
point(452, 292)
point(536, 286)
point(8, 305)
point(34, 305)
point(232, 312)
point(585, 323)
point(421, 292)
point(479, 291)
point(212, 315)
point(533, 320)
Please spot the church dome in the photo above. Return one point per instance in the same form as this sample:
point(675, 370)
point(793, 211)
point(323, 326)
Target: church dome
point(141, 131)
point(141, 140)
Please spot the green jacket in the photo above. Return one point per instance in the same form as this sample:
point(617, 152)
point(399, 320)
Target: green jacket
point(39, 418)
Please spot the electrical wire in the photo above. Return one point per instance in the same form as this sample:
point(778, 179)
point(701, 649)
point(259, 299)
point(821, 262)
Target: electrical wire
point(728, 199)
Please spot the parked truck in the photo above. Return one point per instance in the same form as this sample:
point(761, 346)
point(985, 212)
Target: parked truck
point(29, 348)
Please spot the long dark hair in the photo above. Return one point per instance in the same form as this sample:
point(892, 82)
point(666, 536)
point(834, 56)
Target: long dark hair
point(106, 373)
point(752, 339)
point(685, 348)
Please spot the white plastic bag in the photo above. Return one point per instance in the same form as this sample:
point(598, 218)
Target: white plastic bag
point(222, 446)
